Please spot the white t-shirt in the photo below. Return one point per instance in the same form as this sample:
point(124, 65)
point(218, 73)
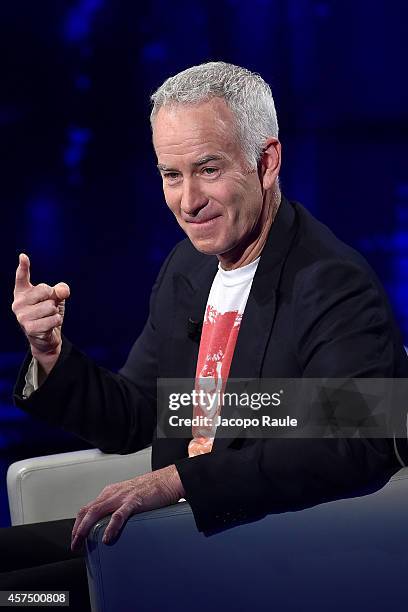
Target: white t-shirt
point(223, 314)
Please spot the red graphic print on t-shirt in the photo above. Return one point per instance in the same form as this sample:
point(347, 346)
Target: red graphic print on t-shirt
point(218, 339)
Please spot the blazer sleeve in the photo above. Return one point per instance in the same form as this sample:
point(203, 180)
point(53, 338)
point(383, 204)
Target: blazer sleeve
point(113, 412)
point(343, 328)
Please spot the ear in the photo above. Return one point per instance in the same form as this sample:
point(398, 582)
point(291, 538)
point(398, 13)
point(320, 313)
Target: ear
point(270, 162)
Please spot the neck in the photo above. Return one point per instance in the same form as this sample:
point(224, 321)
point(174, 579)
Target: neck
point(245, 254)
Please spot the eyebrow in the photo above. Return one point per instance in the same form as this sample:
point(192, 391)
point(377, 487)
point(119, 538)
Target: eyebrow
point(196, 164)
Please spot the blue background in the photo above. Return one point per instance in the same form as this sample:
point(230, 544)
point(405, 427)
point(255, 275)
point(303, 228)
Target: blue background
point(80, 192)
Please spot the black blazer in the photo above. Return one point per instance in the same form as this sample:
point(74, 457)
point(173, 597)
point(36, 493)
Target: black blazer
point(316, 309)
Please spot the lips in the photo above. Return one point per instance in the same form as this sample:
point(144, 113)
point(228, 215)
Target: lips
point(203, 220)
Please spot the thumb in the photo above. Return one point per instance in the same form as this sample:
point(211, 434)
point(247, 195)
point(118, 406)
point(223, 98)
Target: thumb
point(22, 273)
point(61, 292)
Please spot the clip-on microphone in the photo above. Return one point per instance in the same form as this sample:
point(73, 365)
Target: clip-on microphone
point(194, 329)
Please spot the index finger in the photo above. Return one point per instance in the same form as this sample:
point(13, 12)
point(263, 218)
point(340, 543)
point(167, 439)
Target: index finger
point(86, 519)
point(22, 273)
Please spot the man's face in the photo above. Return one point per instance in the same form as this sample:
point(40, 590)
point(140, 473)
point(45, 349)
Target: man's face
point(216, 199)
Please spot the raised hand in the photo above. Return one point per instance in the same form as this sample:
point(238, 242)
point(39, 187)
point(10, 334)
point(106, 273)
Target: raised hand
point(40, 309)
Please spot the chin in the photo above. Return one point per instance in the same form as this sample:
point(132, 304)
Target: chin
point(202, 247)
point(210, 248)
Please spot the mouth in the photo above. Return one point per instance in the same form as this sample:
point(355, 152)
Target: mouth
point(203, 223)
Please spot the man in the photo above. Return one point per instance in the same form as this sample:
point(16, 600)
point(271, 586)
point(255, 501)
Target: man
point(278, 294)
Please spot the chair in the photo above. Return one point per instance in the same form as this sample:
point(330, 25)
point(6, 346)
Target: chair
point(346, 554)
point(73, 478)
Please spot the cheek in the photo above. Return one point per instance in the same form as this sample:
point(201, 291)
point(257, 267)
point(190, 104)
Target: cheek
point(172, 200)
point(236, 203)
point(230, 196)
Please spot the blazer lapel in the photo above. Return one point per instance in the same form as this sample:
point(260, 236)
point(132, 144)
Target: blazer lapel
point(190, 299)
point(179, 355)
point(259, 315)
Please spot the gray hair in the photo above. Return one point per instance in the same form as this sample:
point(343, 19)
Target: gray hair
point(247, 95)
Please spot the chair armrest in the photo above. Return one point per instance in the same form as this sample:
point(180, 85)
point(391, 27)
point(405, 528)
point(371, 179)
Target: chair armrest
point(345, 554)
point(56, 486)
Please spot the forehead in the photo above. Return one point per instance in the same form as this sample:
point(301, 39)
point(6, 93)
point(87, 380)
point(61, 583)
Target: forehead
point(185, 131)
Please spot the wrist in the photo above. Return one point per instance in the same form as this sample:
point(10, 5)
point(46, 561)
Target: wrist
point(46, 360)
point(173, 482)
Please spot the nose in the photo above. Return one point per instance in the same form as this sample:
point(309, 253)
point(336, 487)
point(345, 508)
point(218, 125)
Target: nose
point(192, 198)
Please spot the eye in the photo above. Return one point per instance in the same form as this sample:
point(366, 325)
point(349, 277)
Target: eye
point(210, 172)
point(171, 177)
